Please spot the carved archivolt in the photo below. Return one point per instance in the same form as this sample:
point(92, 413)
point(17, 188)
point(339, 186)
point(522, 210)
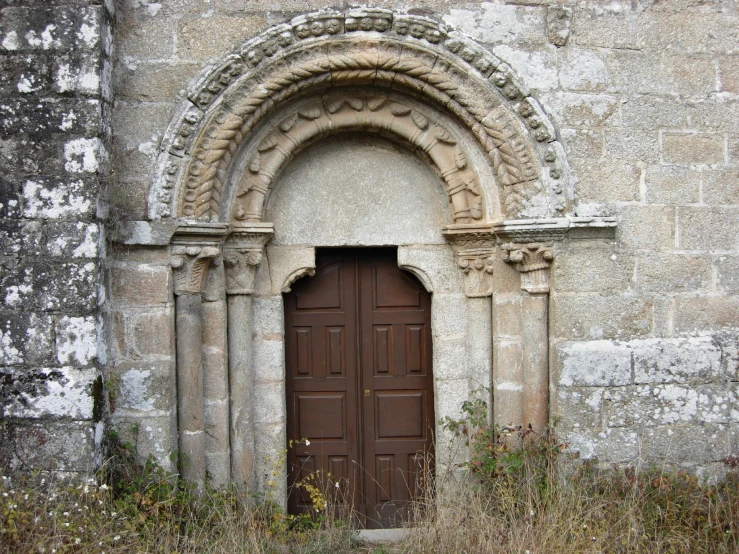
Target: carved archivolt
point(361, 47)
point(334, 113)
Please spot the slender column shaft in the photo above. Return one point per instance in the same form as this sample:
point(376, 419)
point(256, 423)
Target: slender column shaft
point(241, 383)
point(215, 392)
point(533, 261)
point(535, 362)
point(190, 388)
point(479, 330)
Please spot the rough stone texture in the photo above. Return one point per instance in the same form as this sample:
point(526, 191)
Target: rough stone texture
point(654, 391)
point(643, 351)
point(54, 144)
point(370, 184)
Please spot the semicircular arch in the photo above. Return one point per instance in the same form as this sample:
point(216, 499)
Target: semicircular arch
point(364, 48)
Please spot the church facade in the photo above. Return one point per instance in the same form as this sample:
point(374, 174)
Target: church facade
point(229, 225)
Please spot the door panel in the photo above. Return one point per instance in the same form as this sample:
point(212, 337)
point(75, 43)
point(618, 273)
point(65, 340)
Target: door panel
point(359, 382)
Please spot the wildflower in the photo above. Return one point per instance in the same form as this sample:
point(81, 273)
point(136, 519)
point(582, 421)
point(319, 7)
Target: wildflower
point(86, 489)
point(113, 514)
point(66, 524)
point(117, 538)
point(65, 514)
point(103, 487)
point(307, 442)
point(77, 540)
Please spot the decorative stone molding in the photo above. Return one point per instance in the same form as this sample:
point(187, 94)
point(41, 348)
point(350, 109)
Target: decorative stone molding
point(477, 266)
point(357, 48)
point(295, 275)
point(242, 253)
point(335, 113)
point(193, 250)
point(474, 247)
point(533, 261)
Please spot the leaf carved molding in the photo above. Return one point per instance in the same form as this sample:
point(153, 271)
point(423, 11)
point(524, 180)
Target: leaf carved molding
point(370, 112)
point(367, 47)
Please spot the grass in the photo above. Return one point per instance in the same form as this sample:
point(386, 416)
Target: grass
point(510, 499)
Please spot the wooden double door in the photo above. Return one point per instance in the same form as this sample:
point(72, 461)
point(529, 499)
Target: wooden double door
point(359, 385)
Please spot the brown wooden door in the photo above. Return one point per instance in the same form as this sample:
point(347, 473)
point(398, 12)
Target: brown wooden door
point(359, 383)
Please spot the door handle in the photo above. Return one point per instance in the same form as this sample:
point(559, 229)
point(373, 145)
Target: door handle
point(366, 392)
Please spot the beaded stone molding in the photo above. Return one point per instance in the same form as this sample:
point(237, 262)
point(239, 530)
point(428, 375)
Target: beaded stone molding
point(322, 51)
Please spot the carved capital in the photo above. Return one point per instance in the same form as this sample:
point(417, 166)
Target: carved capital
point(190, 267)
point(474, 247)
point(477, 267)
point(241, 265)
point(193, 249)
point(533, 261)
point(242, 253)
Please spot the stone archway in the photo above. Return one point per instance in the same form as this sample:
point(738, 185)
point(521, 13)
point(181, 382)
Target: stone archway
point(365, 71)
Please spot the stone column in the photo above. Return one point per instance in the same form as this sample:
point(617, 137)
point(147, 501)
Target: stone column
point(474, 250)
point(242, 254)
point(533, 261)
point(215, 378)
point(193, 250)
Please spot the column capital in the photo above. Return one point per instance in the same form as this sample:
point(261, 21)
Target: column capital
point(242, 253)
point(193, 249)
point(474, 248)
point(477, 268)
point(533, 261)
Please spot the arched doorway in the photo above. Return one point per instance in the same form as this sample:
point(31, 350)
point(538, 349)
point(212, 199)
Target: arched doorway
point(359, 384)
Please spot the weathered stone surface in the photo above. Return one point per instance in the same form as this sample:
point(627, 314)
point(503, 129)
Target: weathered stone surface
point(644, 98)
point(689, 360)
point(147, 39)
point(705, 313)
point(140, 286)
point(709, 228)
point(594, 363)
point(728, 273)
point(448, 315)
point(434, 264)
point(360, 191)
point(643, 227)
point(650, 112)
point(49, 445)
point(607, 180)
point(662, 272)
point(721, 187)
point(596, 270)
point(647, 73)
point(62, 392)
point(583, 109)
point(632, 144)
point(143, 386)
point(672, 185)
point(591, 316)
point(26, 338)
point(199, 39)
point(693, 148)
point(582, 70)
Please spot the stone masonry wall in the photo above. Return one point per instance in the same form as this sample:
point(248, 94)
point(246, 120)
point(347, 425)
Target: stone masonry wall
point(54, 101)
point(646, 97)
point(645, 94)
